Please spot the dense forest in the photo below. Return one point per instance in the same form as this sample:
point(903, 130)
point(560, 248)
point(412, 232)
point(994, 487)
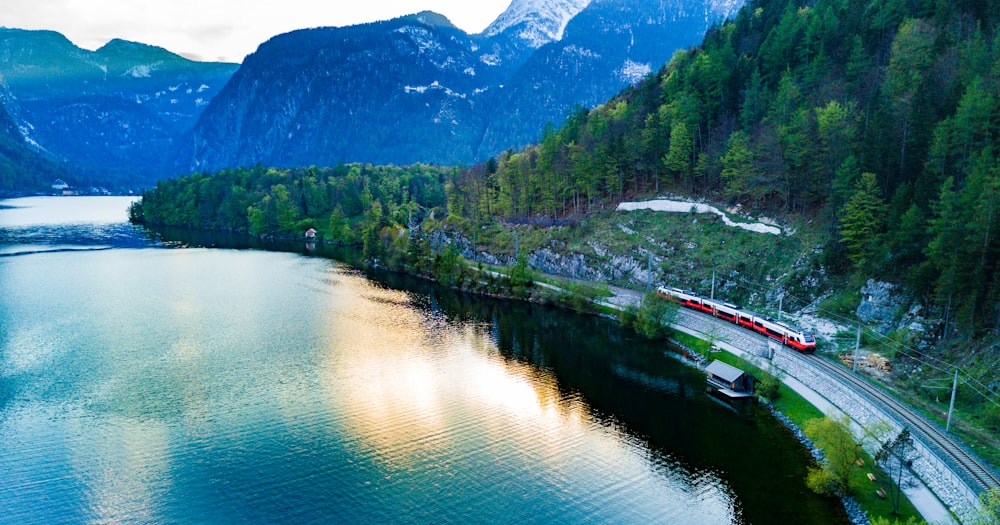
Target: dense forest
point(879, 119)
point(373, 206)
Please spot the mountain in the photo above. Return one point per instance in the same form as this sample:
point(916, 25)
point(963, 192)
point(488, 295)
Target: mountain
point(111, 115)
point(418, 89)
point(527, 25)
point(388, 92)
point(873, 122)
point(609, 45)
point(22, 167)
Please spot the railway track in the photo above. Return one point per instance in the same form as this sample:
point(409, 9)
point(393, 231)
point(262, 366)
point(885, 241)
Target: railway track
point(976, 475)
point(966, 466)
point(979, 477)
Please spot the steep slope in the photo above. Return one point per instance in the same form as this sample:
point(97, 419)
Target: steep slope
point(606, 47)
point(388, 92)
point(22, 168)
point(112, 115)
point(537, 22)
point(417, 89)
point(525, 26)
point(876, 120)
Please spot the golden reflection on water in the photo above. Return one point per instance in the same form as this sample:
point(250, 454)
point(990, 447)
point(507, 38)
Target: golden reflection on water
point(394, 370)
point(125, 473)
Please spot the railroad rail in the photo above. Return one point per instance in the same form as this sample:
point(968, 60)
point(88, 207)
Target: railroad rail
point(966, 466)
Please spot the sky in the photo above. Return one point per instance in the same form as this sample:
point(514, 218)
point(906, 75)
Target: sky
point(222, 30)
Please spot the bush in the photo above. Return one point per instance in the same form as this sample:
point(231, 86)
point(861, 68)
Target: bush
point(653, 317)
point(769, 387)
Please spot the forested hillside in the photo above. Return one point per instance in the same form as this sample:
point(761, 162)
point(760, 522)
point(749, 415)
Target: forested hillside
point(877, 118)
point(353, 204)
point(21, 168)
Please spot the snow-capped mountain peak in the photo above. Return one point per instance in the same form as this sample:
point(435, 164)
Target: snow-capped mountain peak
point(540, 21)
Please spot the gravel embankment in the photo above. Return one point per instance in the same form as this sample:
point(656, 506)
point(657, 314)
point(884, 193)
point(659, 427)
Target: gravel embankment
point(934, 473)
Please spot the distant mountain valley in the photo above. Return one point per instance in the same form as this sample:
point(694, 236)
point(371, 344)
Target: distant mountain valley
point(415, 89)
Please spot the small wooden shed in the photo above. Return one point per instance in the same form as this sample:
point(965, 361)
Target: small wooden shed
point(726, 377)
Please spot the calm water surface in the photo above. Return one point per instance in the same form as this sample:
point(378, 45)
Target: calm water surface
point(143, 383)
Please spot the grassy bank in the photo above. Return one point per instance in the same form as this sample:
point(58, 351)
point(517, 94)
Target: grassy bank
point(800, 411)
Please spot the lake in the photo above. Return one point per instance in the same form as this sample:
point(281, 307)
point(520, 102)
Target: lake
point(145, 380)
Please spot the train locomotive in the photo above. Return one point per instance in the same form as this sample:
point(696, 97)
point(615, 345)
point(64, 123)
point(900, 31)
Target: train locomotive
point(786, 334)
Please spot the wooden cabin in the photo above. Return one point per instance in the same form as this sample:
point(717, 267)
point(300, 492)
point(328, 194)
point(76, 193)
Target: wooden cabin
point(729, 379)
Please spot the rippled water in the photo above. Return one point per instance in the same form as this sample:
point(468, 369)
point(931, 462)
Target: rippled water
point(140, 384)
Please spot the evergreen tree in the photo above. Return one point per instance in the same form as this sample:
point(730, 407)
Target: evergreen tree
point(862, 222)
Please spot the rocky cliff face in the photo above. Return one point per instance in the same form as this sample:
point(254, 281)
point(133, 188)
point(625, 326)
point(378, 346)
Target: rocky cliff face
point(418, 89)
point(387, 93)
point(887, 307)
point(23, 166)
point(113, 114)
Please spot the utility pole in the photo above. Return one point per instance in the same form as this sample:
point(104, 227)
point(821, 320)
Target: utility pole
point(951, 409)
point(857, 346)
point(781, 304)
point(713, 285)
point(649, 271)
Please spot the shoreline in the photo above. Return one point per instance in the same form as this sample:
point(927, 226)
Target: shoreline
point(930, 507)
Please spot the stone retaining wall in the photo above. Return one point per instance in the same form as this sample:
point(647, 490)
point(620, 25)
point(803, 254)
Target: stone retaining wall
point(932, 471)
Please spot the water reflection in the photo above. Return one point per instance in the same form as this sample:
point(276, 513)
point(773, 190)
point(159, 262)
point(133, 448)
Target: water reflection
point(161, 385)
point(422, 394)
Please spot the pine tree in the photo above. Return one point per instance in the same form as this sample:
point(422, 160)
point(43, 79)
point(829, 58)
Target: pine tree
point(862, 222)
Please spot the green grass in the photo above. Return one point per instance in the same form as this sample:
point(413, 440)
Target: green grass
point(800, 411)
point(590, 290)
point(864, 493)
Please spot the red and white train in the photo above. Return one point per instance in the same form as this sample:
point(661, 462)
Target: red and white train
point(786, 334)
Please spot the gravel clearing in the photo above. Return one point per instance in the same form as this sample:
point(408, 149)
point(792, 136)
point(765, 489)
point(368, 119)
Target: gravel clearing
point(671, 206)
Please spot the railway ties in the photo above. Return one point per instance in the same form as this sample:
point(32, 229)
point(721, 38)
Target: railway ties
point(979, 477)
point(969, 467)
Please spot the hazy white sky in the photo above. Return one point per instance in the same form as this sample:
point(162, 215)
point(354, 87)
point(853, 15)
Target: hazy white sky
point(221, 29)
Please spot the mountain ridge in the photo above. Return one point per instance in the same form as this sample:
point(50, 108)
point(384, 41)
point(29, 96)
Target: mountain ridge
point(405, 90)
point(111, 116)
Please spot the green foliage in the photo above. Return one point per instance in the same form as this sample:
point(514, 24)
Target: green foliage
point(653, 317)
point(521, 277)
point(769, 386)
point(822, 481)
point(786, 108)
point(449, 268)
point(989, 513)
point(912, 520)
point(862, 222)
point(578, 297)
point(277, 203)
point(833, 435)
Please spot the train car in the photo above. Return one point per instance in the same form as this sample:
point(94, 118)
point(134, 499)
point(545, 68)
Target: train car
point(786, 334)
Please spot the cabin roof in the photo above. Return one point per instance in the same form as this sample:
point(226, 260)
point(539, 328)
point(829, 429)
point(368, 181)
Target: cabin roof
point(727, 373)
